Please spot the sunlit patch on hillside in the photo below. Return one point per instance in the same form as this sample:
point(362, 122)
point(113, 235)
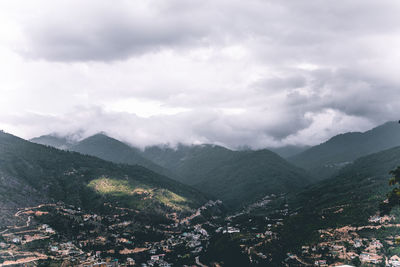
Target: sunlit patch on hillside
point(171, 199)
point(117, 187)
point(132, 191)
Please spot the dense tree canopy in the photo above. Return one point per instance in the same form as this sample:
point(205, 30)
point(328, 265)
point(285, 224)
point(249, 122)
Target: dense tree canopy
point(393, 197)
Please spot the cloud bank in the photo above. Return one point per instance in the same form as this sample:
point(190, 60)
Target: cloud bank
point(255, 73)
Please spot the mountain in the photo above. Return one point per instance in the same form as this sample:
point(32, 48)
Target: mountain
point(31, 174)
point(233, 176)
point(190, 163)
point(325, 159)
point(289, 150)
point(104, 147)
point(110, 149)
point(53, 140)
point(349, 198)
point(236, 177)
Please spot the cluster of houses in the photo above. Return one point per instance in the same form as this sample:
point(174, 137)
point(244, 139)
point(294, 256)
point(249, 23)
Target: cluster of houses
point(118, 239)
point(255, 233)
point(105, 241)
point(346, 245)
point(13, 238)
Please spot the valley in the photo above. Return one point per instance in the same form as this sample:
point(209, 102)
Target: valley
point(219, 207)
point(63, 235)
point(213, 133)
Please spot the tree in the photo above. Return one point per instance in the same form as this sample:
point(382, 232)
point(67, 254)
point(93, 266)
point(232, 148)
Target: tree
point(393, 197)
point(356, 261)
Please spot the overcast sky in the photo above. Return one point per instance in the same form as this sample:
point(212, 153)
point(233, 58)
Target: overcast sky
point(256, 72)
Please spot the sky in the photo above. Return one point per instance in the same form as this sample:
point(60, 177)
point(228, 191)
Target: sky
point(256, 73)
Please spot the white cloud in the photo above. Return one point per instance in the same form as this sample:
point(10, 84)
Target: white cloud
point(231, 72)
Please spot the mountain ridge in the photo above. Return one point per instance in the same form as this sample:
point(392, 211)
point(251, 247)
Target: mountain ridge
point(325, 159)
point(107, 148)
point(351, 197)
point(31, 173)
point(236, 177)
point(209, 168)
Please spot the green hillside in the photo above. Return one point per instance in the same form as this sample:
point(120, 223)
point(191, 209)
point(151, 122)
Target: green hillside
point(104, 147)
point(236, 177)
point(289, 150)
point(191, 163)
point(349, 198)
point(32, 173)
point(110, 149)
point(327, 158)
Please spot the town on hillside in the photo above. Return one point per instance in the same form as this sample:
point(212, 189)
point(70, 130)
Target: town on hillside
point(64, 235)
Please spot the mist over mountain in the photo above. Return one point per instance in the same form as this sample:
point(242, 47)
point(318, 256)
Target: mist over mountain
point(53, 140)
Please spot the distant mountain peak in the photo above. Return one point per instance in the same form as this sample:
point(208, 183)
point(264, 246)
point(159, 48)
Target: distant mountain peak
point(102, 133)
point(54, 140)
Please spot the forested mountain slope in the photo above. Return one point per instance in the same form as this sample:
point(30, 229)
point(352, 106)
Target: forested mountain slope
point(349, 198)
point(32, 173)
point(325, 159)
point(236, 177)
point(104, 147)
